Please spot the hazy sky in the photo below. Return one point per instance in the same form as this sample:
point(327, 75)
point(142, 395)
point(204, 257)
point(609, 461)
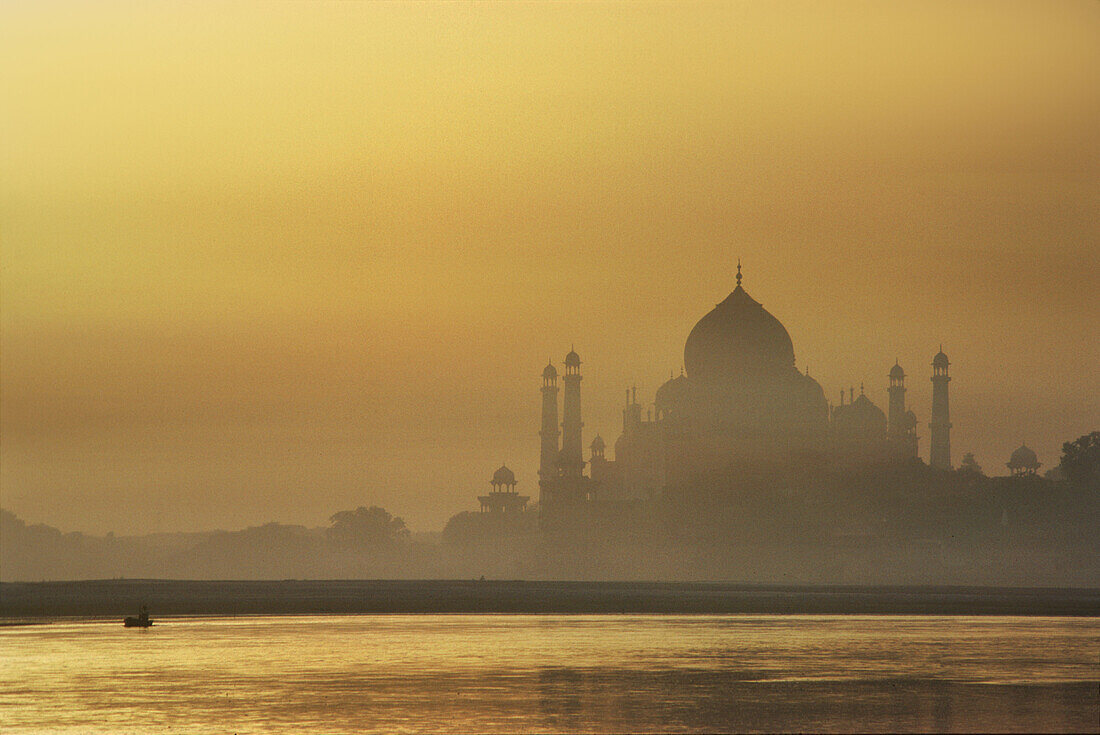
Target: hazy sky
point(267, 262)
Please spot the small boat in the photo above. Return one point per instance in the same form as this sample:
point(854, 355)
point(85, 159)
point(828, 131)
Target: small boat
point(141, 621)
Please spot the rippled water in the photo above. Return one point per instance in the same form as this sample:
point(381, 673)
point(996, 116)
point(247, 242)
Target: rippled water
point(508, 673)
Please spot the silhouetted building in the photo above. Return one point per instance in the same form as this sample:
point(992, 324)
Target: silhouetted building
point(739, 401)
point(940, 426)
point(503, 498)
point(1023, 462)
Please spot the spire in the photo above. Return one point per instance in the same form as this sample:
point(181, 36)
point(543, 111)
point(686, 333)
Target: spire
point(738, 271)
point(861, 387)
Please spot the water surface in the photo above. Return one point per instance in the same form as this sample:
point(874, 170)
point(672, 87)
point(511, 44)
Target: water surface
point(539, 673)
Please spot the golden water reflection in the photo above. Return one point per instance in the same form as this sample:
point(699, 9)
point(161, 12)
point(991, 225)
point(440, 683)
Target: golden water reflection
point(507, 673)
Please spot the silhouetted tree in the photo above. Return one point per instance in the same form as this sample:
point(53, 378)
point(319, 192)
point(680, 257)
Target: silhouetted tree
point(371, 526)
point(464, 528)
point(1081, 459)
point(272, 550)
point(469, 527)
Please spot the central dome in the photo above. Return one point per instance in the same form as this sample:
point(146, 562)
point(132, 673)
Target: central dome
point(738, 339)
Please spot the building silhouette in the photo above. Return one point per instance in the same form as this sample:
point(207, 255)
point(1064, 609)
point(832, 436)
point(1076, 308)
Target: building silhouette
point(739, 401)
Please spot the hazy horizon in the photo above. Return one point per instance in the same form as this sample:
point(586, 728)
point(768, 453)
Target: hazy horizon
point(277, 261)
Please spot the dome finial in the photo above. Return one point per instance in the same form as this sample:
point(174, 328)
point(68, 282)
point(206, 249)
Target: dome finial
point(738, 271)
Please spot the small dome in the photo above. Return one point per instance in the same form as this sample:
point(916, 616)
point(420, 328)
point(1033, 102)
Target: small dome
point(940, 360)
point(572, 359)
point(896, 371)
point(504, 476)
point(598, 443)
point(1023, 457)
point(549, 371)
point(672, 393)
point(865, 410)
point(860, 422)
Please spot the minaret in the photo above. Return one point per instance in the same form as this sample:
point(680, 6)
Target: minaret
point(548, 459)
point(897, 401)
point(940, 426)
point(572, 461)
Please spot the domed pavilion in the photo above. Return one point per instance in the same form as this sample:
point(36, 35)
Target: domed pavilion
point(503, 498)
point(1023, 462)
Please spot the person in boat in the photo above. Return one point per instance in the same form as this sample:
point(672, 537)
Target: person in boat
point(141, 621)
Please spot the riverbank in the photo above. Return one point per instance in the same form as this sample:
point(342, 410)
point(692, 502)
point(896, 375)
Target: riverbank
point(300, 597)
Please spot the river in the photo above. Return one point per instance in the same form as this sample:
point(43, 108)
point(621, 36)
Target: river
point(552, 673)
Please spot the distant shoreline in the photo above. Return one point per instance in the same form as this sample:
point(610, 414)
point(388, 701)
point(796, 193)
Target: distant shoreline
point(109, 598)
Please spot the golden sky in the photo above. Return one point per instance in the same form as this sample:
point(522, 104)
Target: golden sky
point(269, 261)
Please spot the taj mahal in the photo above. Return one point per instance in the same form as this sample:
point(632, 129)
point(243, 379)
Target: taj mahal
point(739, 401)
